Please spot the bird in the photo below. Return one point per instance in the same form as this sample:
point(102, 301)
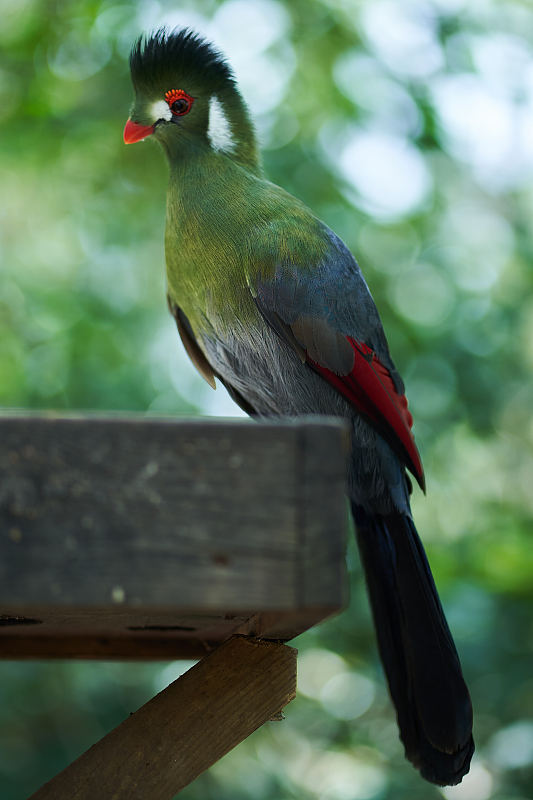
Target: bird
point(270, 302)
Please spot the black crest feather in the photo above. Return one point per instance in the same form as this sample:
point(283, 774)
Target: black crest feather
point(165, 56)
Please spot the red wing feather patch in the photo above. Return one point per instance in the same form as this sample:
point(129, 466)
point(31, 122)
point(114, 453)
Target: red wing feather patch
point(370, 388)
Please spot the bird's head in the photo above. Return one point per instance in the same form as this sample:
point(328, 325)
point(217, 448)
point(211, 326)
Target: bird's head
point(185, 93)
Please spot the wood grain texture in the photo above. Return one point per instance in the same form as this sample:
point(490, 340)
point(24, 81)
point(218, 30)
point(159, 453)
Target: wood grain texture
point(119, 528)
point(184, 729)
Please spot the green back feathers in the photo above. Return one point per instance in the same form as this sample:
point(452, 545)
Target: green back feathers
point(227, 227)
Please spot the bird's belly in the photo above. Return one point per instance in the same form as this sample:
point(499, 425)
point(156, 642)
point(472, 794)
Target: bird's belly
point(268, 373)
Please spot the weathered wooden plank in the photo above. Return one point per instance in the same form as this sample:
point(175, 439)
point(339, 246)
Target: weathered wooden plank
point(323, 541)
point(156, 519)
point(185, 728)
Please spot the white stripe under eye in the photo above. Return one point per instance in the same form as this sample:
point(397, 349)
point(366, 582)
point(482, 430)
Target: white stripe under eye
point(160, 110)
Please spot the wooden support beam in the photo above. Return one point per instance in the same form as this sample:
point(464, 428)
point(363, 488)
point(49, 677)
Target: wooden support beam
point(188, 726)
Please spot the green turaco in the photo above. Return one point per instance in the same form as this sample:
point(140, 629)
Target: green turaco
point(270, 302)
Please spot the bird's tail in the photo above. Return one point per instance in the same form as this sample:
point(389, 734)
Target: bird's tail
point(416, 647)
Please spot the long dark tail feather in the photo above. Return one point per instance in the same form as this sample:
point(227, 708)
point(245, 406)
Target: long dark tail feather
point(416, 647)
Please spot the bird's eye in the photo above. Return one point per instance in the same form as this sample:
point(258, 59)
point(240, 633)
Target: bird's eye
point(180, 106)
point(179, 102)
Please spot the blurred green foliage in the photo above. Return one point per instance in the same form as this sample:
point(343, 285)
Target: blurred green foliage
point(408, 128)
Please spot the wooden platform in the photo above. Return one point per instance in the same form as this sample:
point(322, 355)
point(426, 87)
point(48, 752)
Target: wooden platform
point(137, 538)
point(161, 539)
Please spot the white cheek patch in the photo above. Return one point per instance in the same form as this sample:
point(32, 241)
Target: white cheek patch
point(219, 130)
point(160, 110)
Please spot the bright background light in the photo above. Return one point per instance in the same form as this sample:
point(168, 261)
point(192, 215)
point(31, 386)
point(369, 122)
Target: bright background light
point(408, 127)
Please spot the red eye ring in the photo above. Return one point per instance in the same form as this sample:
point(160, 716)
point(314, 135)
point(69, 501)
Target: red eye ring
point(179, 102)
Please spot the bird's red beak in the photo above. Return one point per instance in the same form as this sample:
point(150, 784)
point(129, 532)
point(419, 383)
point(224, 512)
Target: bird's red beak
point(133, 132)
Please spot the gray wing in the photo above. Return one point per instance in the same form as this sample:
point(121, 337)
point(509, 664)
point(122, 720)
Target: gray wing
point(315, 310)
point(327, 315)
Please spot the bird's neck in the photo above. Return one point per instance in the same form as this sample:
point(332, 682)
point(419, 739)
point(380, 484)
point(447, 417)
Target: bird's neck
point(229, 133)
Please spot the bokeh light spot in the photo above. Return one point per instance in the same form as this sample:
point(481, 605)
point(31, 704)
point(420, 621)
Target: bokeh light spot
point(388, 174)
point(423, 295)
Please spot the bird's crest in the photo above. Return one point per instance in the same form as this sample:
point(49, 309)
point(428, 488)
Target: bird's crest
point(158, 59)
